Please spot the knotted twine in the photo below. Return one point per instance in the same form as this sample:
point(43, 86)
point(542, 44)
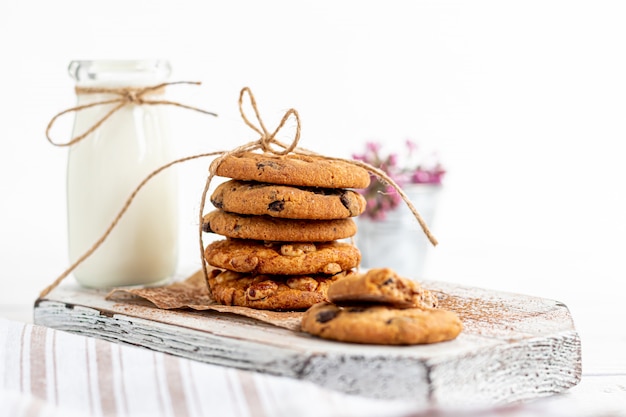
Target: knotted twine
point(124, 97)
point(268, 144)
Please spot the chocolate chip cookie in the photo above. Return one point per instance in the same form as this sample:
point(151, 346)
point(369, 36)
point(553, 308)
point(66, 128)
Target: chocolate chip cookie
point(255, 198)
point(381, 324)
point(381, 286)
point(274, 229)
point(270, 292)
point(282, 258)
point(293, 169)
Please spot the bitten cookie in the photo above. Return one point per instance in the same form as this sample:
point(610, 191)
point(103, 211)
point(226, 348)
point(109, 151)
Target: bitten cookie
point(248, 197)
point(381, 324)
point(270, 292)
point(273, 229)
point(293, 169)
point(244, 255)
point(381, 286)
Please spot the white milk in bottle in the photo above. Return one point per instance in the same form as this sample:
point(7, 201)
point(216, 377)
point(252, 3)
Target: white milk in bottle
point(107, 165)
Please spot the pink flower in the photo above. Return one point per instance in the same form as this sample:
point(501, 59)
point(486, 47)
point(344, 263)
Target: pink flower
point(411, 146)
point(420, 177)
point(359, 157)
point(392, 160)
point(382, 198)
point(373, 147)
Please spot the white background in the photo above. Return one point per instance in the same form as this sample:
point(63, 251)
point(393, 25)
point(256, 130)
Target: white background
point(525, 101)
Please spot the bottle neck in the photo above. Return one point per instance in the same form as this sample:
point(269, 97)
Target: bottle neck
point(119, 73)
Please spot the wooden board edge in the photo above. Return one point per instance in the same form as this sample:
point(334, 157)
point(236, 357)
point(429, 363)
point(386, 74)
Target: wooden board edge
point(442, 383)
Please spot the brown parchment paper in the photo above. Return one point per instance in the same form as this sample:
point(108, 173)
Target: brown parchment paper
point(192, 293)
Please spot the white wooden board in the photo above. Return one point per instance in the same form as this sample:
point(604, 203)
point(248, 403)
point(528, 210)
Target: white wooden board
point(513, 347)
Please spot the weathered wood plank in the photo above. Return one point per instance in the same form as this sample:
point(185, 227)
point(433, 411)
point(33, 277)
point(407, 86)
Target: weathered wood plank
point(514, 347)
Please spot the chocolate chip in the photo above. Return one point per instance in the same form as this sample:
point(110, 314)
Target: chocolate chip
point(387, 281)
point(345, 200)
point(276, 206)
point(218, 202)
point(326, 315)
point(271, 164)
point(206, 227)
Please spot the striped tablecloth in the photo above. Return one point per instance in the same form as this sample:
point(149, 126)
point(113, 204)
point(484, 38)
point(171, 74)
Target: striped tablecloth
point(46, 372)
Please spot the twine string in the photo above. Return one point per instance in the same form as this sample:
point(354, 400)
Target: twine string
point(268, 139)
point(263, 143)
point(125, 97)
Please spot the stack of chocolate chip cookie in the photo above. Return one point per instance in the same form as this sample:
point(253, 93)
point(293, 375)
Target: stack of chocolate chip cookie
point(381, 307)
point(283, 219)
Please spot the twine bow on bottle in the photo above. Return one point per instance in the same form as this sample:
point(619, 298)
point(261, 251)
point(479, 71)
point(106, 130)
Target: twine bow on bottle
point(124, 96)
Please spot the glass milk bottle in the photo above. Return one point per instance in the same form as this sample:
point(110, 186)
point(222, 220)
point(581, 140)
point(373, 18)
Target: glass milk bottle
point(106, 166)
